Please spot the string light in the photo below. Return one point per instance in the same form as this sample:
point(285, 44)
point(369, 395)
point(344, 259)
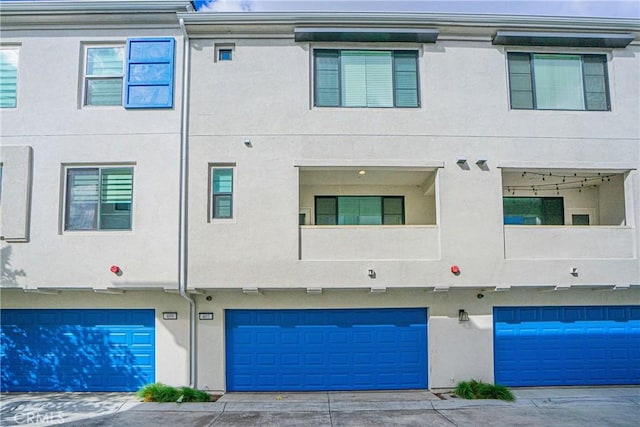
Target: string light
point(564, 183)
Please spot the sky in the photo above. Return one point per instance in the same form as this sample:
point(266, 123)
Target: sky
point(577, 8)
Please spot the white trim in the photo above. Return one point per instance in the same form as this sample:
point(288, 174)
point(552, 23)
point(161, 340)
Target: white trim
point(600, 167)
point(406, 165)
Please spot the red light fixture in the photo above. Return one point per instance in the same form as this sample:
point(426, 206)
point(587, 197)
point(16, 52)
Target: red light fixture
point(455, 270)
point(115, 269)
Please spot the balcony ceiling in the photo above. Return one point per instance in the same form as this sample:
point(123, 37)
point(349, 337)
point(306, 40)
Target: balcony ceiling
point(373, 176)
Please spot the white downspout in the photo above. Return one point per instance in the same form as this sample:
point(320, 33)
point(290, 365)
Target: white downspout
point(182, 234)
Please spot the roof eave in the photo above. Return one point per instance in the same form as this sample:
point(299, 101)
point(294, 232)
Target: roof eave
point(421, 19)
point(92, 6)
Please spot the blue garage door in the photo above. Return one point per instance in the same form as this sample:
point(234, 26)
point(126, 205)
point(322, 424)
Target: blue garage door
point(554, 346)
point(77, 350)
point(358, 349)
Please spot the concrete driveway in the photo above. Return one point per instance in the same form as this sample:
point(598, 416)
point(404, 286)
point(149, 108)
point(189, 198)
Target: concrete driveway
point(594, 406)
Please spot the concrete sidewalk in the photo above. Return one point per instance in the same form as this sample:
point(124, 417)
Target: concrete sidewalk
point(575, 406)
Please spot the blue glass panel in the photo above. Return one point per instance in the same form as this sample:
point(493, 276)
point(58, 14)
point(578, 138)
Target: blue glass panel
point(150, 73)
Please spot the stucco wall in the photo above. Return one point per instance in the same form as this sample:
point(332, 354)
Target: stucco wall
point(172, 336)
point(50, 119)
point(457, 350)
point(271, 105)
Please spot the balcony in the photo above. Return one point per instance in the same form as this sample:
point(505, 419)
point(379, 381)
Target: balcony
point(567, 214)
point(411, 242)
point(368, 213)
point(597, 242)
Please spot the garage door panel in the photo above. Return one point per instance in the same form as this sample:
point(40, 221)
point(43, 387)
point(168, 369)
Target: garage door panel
point(332, 349)
point(577, 345)
point(77, 350)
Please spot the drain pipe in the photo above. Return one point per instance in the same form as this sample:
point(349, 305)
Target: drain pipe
point(182, 235)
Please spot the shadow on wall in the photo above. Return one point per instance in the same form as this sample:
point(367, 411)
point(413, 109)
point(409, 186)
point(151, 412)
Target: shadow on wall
point(43, 351)
point(8, 277)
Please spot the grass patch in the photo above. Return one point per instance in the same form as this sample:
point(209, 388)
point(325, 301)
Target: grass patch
point(480, 390)
point(159, 392)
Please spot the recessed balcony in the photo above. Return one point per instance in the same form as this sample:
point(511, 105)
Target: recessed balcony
point(368, 213)
point(567, 214)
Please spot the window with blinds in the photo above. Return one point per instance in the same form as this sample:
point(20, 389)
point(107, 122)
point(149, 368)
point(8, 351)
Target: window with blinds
point(365, 78)
point(99, 198)
point(104, 75)
point(222, 192)
point(558, 81)
point(359, 210)
point(8, 77)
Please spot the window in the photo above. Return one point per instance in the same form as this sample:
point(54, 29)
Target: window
point(225, 55)
point(99, 198)
point(533, 210)
point(222, 192)
point(558, 81)
point(366, 78)
point(140, 76)
point(359, 210)
point(8, 77)
point(104, 73)
point(580, 219)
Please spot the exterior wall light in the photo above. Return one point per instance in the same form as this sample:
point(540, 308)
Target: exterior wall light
point(455, 270)
point(462, 162)
point(169, 315)
point(371, 273)
point(247, 143)
point(116, 270)
point(463, 316)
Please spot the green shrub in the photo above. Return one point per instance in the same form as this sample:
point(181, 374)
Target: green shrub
point(191, 395)
point(480, 390)
point(159, 392)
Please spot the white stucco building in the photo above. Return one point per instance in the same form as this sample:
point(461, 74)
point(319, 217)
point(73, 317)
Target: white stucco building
point(309, 201)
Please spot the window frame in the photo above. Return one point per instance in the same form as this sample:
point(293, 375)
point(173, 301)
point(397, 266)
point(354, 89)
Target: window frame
point(314, 92)
point(67, 197)
point(86, 77)
point(211, 206)
point(337, 209)
point(15, 48)
point(530, 54)
point(222, 47)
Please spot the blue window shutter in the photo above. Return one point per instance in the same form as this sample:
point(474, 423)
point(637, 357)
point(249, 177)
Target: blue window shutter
point(149, 73)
